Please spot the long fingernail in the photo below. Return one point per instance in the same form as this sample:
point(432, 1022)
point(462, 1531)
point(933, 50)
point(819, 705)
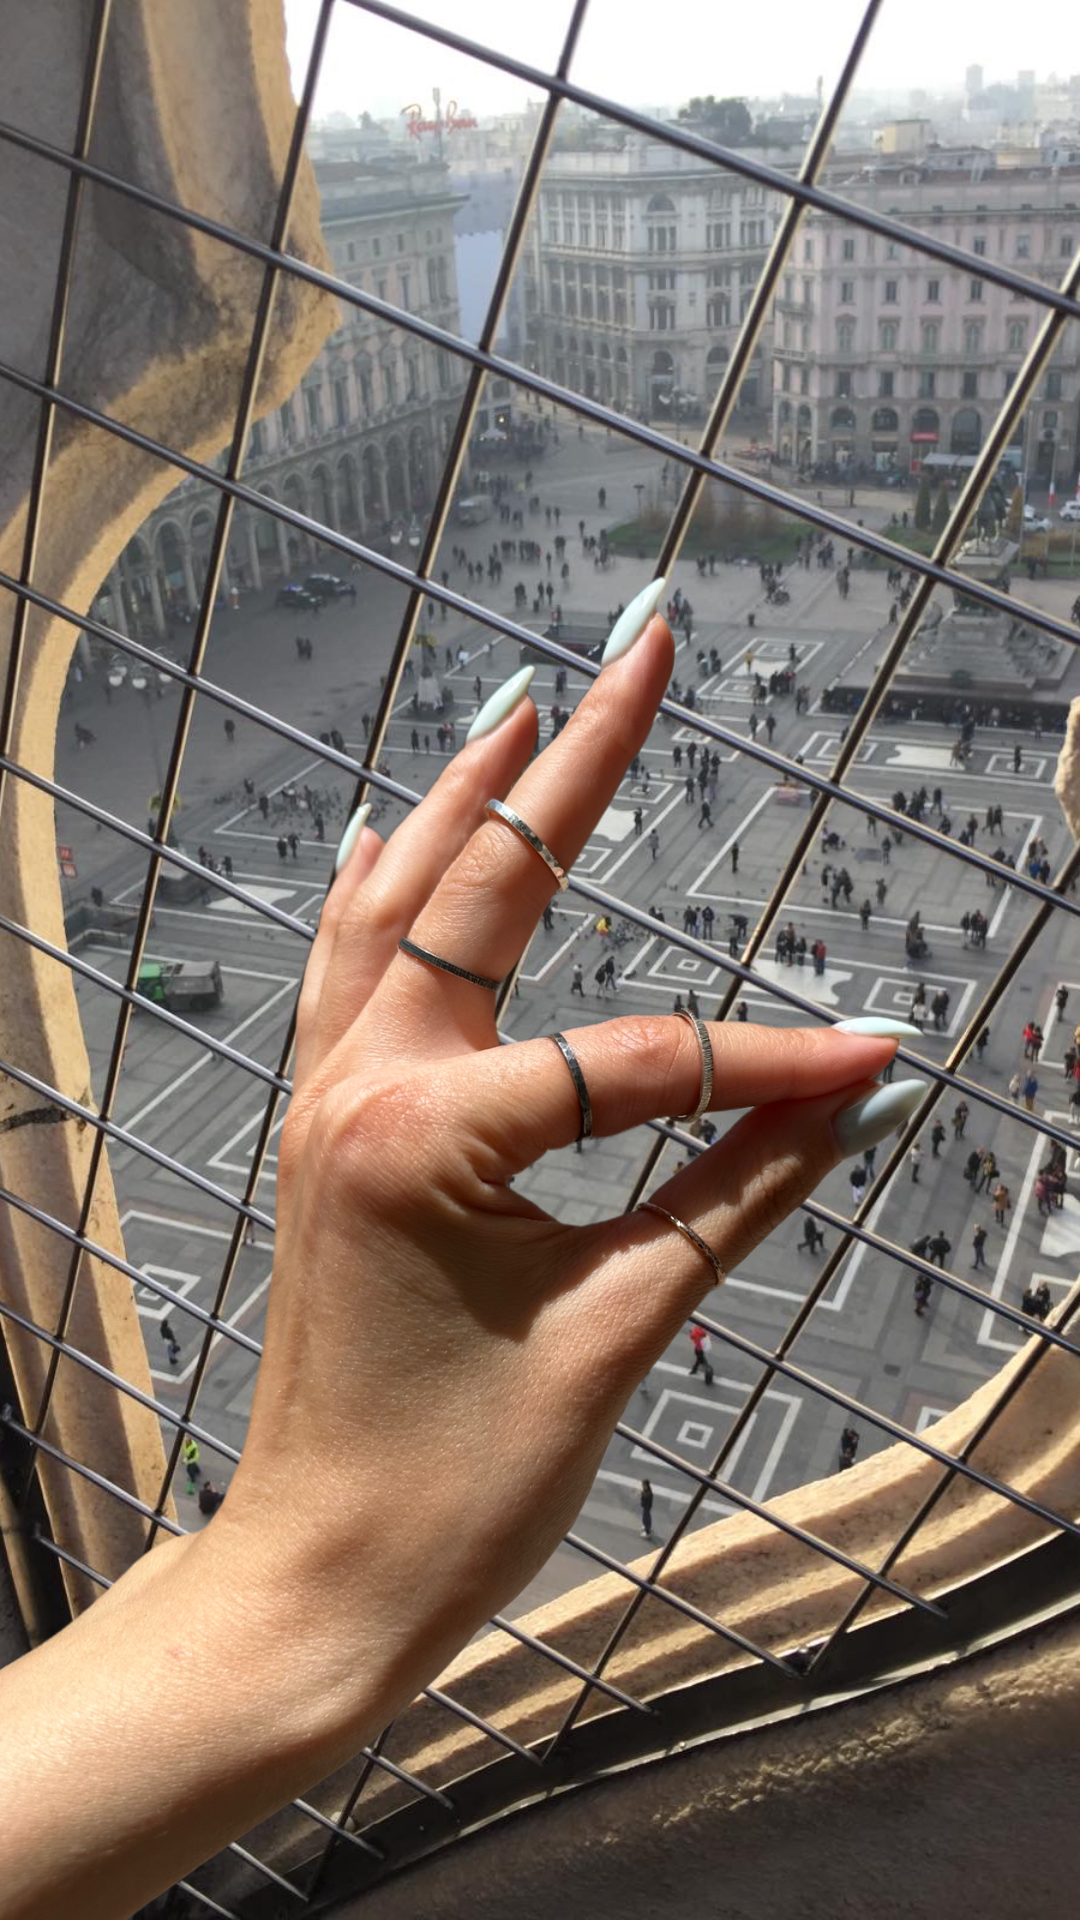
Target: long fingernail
point(880, 1027)
point(876, 1114)
point(351, 835)
point(501, 705)
point(633, 621)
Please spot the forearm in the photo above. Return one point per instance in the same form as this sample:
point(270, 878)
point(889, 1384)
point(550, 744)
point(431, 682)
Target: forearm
point(200, 1694)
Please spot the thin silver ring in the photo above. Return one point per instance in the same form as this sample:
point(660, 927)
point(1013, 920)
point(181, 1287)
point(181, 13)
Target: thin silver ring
point(448, 966)
point(578, 1079)
point(706, 1064)
point(531, 839)
point(695, 1239)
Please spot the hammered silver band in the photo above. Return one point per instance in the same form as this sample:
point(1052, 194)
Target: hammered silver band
point(695, 1239)
point(521, 827)
point(578, 1079)
point(448, 966)
point(705, 1044)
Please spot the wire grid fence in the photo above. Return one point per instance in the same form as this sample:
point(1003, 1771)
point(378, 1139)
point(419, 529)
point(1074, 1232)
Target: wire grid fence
point(698, 465)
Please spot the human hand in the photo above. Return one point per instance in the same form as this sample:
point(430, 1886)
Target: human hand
point(444, 1362)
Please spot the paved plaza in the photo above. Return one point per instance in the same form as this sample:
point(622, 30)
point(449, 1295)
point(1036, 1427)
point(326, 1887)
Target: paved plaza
point(864, 1336)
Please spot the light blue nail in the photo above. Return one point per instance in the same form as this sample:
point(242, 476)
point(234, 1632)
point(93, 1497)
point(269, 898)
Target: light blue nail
point(880, 1027)
point(501, 705)
point(876, 1114)
point(351, 835)
point(633, 621)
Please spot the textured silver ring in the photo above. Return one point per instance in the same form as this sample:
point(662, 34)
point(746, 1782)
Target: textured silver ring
point(521, 827)
point(695, 1239)
point(448, 966)
point(705, 1044)
point(578, 1079)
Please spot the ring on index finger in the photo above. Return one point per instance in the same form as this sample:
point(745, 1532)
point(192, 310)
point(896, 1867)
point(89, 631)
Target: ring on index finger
point(705, 1044)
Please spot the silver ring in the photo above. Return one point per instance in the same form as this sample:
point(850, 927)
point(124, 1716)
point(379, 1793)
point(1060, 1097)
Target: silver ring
point(531, 839)
point(448, 966)
point(578, 1079)
point(706, 1064)
point(695, 1239)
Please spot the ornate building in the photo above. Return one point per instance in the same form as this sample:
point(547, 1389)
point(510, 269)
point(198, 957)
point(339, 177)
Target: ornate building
point(641, 265)
point(882, 355)
point(359, 442)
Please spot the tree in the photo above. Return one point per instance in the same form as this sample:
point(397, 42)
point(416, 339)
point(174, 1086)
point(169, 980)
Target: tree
point(1015, 525)
point(941, 512)
point(726, 121)
point(922, 503)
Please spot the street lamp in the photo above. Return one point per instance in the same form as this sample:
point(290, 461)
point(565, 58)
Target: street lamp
point(639, 488)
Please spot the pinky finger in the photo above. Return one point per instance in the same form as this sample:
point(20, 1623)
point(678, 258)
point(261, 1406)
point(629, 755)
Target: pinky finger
point(356, 860)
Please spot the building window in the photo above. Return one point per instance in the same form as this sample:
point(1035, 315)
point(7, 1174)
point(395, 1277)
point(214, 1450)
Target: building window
point(975, 290)
point(341, 402)
point(847, 293)
point(845, 336)
point(553, 230)
point(433, 284)
point(927, 383)
point(933, 292)
point(807, 250)
point(401, 243)
point(891, 292)
point(1065, 246)
point(255, 444)
point(847, 251)
point(1014, 336)
point(978, 245)
point(931, 334)
point(390, 382)
point(403, 277)
point(412, 384)
point(969, 385)
point(892, 251)
point(313, 403)
point(376, 246)
point(585, 231)
point(885, 384)
point(350, 251)
point(1050, 420)
point(973, 334)
point(367, 399)
point(1023, 246)
point(1053, 384)
point(785, 378)
point(843, 386)
point(789, 287)
point(804, 379)
point(890, 333)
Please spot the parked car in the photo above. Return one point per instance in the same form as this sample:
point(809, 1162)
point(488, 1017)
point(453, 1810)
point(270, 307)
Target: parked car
point(1035, 522)
point(329, 586)
point(299, 597)
point(1071, 510)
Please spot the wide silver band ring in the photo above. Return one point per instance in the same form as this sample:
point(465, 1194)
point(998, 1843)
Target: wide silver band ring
point(448, 966)
point(705, 1044)
point(578, 1079)
point(519, 826)
point(695, 1239)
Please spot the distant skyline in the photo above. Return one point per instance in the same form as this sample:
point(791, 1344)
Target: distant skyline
point(649, 59)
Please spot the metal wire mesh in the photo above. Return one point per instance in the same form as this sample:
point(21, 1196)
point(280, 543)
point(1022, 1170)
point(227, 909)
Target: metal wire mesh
point(421, 582)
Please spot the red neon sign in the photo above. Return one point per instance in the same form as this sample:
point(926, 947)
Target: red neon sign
point(454, 121)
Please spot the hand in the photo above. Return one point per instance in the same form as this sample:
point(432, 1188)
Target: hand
point(444, 1362)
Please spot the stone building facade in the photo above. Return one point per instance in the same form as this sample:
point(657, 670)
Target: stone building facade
point(883, 355)
point(358, 444)
point(641, 264)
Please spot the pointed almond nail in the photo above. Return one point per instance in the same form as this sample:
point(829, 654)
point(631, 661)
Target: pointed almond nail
point(880, 1027)
point(633, 621)
point(876, 1115)
point(501, 705)
point(351, 835)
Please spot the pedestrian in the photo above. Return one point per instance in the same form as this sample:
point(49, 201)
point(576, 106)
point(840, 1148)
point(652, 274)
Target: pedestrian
point(972, 1165)
point(959, 1119)
point(988, 1171)
point(230, 732)
point(645, 1495)
point(1015, 1084)
point(577, 983)
point(1029, 1090)
point(915, 1160)
point(978, 1245)
point(937, 1139)
point(601, 978)
point(742, 1012)
point(294, 845)
point(939, 1248)
point(813, 1237)
point(414, 741)
point(191, 1456)
point(705, 816)
point(210, 1497)
point(1061, 1000)
point(923, 1289)
point(282, 847)
point(1042, 1300)
point(320, 827)
point(1001, 1200)
point(702, 1346)
point(734, 856)
point(609, 969)
point(982, 1042)
point(654, 843)
point(849, 1447)
point(639, 822)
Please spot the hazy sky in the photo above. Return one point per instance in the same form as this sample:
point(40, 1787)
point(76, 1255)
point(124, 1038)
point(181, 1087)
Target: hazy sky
point(662, 53)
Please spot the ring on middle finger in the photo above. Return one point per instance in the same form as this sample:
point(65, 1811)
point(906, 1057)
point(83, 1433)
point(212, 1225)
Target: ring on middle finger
point(522, 828)
point(705, 1044)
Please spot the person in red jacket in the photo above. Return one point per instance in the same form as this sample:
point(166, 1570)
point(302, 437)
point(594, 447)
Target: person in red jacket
point(701, 1344)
